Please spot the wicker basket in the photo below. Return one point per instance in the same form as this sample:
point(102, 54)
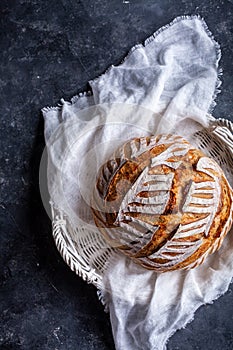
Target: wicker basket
point(87, 253)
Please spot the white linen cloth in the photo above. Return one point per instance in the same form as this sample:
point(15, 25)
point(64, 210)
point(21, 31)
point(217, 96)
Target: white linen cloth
point(166, 85)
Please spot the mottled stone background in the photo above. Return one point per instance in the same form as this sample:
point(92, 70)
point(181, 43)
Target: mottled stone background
point(49, 50)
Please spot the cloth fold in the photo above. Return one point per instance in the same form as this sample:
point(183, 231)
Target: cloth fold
point(167, 85)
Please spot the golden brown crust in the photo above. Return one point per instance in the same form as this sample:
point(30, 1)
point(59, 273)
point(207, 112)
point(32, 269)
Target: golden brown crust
point(163, 203)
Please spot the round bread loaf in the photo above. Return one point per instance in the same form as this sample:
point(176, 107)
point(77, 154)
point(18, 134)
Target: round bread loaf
point(163, 203)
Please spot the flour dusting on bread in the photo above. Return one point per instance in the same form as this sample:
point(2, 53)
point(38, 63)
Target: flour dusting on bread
point(163, 203)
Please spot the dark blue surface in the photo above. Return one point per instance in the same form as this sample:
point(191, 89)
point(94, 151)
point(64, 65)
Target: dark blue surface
point(49, 50)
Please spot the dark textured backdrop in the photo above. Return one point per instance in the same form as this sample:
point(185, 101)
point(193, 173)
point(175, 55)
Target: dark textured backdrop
point(49, 50)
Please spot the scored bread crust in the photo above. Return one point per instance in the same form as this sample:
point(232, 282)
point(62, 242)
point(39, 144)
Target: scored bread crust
point(163, 203)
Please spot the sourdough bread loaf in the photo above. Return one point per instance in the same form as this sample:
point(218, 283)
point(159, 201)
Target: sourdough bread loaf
point(163, 203)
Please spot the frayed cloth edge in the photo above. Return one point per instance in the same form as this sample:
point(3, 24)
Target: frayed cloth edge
point(141, 45)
